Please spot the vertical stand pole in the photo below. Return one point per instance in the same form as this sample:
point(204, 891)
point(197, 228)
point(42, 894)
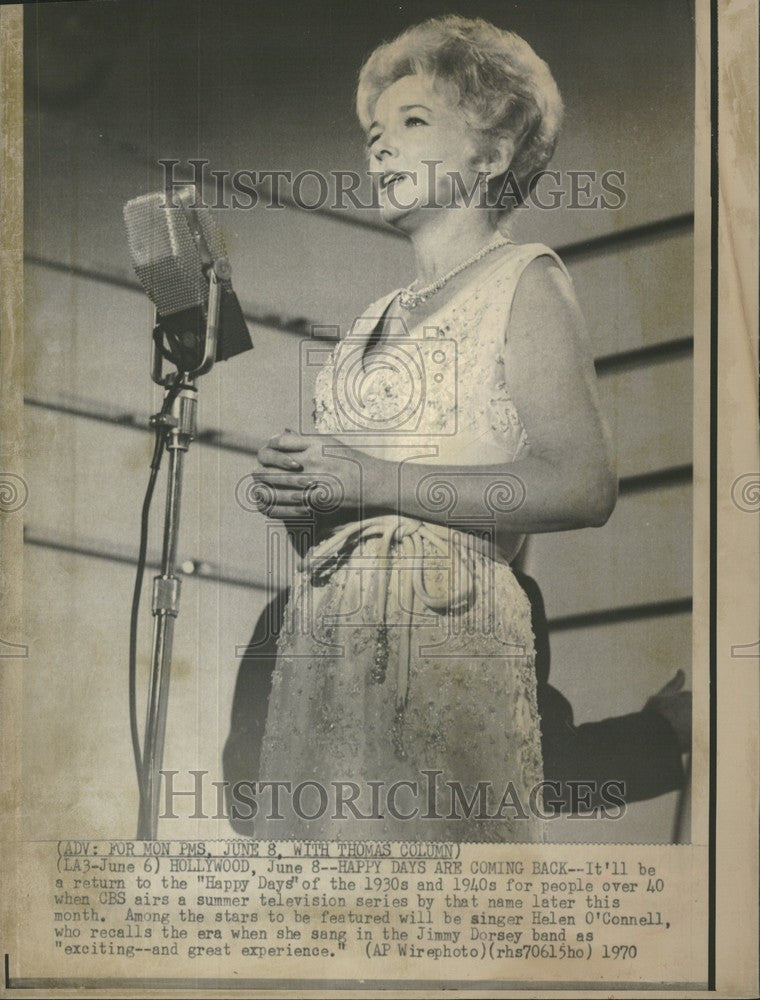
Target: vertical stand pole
point(180, 424)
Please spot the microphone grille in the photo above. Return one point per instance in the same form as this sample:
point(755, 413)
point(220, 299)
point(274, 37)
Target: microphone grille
point(210, 232)
point(167, 260)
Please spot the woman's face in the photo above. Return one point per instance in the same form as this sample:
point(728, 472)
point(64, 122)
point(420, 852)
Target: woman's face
point(419, 142)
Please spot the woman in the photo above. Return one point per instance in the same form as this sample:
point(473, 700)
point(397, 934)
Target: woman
point(458, 416)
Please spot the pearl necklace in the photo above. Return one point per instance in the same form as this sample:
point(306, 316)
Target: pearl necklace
point(411, 297)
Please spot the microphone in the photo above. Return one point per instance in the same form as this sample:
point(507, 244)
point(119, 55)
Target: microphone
point(174, 250)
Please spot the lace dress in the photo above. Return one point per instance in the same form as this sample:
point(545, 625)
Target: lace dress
point(403, 702)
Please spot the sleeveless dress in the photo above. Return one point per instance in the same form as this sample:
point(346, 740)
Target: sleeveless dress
point(403, 702)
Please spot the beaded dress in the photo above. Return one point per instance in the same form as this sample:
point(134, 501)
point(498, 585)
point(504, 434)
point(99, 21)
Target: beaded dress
point(406, 654)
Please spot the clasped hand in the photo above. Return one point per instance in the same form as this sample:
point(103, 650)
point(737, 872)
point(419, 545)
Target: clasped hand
point(299, 476)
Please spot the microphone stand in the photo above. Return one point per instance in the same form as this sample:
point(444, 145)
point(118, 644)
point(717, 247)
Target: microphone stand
point(178, 425)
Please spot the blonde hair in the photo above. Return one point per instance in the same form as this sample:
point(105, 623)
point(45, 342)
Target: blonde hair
point(504, 89)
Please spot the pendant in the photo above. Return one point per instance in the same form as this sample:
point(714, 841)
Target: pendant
point(408, 299)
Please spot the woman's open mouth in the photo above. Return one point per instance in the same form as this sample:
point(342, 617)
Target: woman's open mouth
point(387, 180)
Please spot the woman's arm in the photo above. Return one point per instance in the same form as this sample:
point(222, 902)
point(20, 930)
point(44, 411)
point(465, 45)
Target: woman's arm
point(565, 481)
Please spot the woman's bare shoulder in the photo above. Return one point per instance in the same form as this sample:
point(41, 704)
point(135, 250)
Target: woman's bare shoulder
point(545, 315)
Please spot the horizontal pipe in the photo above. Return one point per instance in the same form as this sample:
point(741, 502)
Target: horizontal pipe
point(675, 475)
point(613, 616)
point(620, 360)
point(204, 570)
point(645, 233)
point(671, 476)
point(91, 411)
point(299, 325)
point(588, 619)
point(637, 357)
point(303, 326)
point(577, 249)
